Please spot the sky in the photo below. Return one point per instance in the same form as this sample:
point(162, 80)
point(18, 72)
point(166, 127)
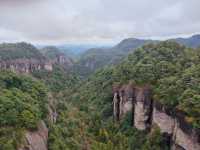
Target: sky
point(96, 21)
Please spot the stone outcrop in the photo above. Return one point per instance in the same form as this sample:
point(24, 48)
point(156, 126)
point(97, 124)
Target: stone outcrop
point(136, 99)
point(36, 140)
point(146, 113)
point(61, 59)
point(122, 102)
point(25, 65)
point(142, 107)
point(52, 112)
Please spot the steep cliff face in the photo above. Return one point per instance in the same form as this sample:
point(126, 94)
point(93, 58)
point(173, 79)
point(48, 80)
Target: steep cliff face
point(147, 113)
point(36, 140)
point(136, 99)
point(123, 101)
point(52, 112)
point(22, 58)
point(56, 57)
point(142, 108)
point(25, 65)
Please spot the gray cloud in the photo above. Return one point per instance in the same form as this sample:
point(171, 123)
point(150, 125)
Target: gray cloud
point(61, 21)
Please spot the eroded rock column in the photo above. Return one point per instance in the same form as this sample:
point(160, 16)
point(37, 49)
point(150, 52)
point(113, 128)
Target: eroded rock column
point(142, 108)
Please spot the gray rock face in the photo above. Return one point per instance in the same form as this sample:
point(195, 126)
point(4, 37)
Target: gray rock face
point(185, 140)
point(36, 140)
point(25, 65)
point(147, 113)
point(165, 122)
point(142, 105)
point(123, 101)
point(52, 112)
point(129, 98)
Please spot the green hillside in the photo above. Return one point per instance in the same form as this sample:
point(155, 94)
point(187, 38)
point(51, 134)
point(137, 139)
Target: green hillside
point(170, 69)
point(10, 51)
point(23, 103)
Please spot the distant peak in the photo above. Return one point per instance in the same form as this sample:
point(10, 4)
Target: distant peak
point(196, 36)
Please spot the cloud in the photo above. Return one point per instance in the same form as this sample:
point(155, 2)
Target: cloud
point(62, 21)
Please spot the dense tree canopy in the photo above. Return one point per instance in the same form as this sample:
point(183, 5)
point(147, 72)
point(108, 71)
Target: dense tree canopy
point(10, 51)
point(23, 103)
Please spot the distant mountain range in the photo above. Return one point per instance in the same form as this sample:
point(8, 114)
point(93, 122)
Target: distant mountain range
point(193, 41)
point(88, 59)
point(75, 50)
point(95, 58)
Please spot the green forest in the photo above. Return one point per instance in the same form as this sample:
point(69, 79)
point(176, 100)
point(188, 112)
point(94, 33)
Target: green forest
point(170, 69)
point(23, 103)
point(84, 106)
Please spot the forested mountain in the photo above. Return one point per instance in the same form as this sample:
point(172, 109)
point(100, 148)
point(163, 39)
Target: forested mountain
point(82, 110)
point(50, 52)
point(97, 57)
point(56, 56)
point(10, 51)
point(171, 70)
point(193, 41)
point(23, 103)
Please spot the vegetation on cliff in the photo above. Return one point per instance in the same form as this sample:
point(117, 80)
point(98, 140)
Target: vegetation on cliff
point(170, 69)
point(23, 103)
point(85, 107)
point(58, 79)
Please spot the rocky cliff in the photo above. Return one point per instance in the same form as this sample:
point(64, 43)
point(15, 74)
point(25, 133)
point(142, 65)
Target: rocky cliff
point(36, 140)
point(25, 65)
point(53, 53)
point(147, 113)
point(22, 58)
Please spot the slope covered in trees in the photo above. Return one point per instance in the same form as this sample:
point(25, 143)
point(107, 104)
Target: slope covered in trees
point(23, 103)
point(97, 58)
point(85, 107)
point(10, 51)
point(170, 69)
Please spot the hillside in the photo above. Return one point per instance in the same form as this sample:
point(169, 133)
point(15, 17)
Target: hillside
point(10, 51)
point(23, 102)
point(85, 108)
point(50, 52)
point(171, 70)
point(94, 59)
point(56, 56)
point(193, 41)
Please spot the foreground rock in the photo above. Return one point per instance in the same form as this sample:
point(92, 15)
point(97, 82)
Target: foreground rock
point(36, 140)
point(147, 113)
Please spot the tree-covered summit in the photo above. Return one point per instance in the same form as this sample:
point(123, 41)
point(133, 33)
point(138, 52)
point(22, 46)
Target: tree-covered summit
point(10, 51)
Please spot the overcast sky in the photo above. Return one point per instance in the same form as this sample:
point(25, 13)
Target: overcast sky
point(65, 21)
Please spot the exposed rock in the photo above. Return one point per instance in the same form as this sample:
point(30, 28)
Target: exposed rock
point(56, 57)
point(123, 101)
point(62, 59)
point(165, 122)
point(179, 135)
point(36, 140)
point(25, 65)
point(52, 113)
point(184, 140)
point(142, 107)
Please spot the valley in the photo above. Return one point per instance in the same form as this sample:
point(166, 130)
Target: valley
point(137, 95)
